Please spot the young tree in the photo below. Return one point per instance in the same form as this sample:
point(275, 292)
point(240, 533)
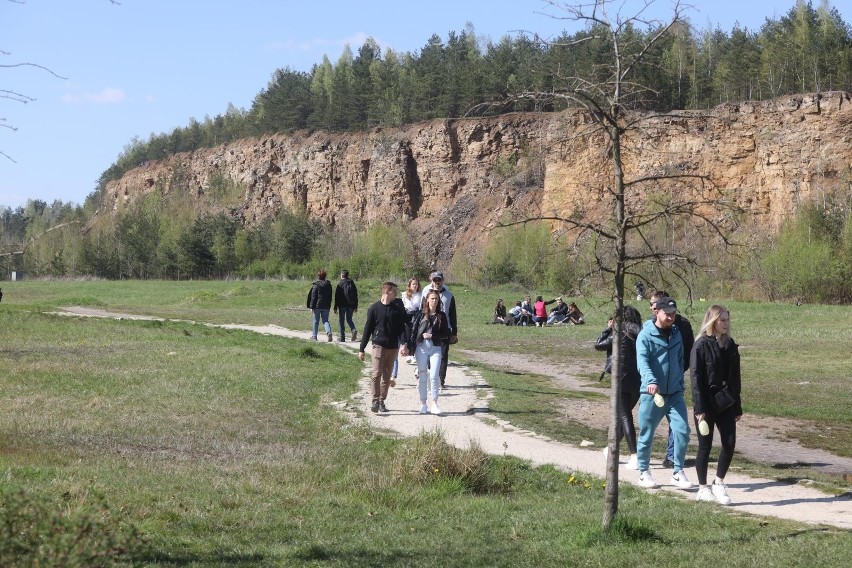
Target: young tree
point(651, 211)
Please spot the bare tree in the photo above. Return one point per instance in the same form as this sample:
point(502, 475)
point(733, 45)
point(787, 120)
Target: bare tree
point(16, 95)
point(656, 213)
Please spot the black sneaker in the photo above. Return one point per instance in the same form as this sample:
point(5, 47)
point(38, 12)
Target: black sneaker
point(382, 407)
point(354, 335)
point(341, 339)
point(668, 463)
point(375, 406)
point(330, 336)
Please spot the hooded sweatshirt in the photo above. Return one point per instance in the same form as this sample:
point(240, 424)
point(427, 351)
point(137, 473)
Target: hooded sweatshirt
point(659, 357)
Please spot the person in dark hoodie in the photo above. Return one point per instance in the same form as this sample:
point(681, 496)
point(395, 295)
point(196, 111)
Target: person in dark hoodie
point(630, 380)
point(346, 304)
point(319, 301)
point(715, 364)
point(386, 327)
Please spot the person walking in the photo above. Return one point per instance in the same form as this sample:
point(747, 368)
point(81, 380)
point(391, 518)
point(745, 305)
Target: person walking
point(659, 358)
point(319, 301)
point(715, 368)
point(386, 328)
point(427, 334)
point(412, 299)
point(685, 328)
point(629, 377)
point(448, 306)
point(346, 304)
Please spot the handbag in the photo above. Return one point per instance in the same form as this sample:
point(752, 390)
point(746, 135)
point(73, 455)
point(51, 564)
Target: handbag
point(722, 398)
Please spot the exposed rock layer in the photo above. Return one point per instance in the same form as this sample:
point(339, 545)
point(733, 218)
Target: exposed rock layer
point(449, 180)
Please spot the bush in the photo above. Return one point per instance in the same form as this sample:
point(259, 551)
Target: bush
point(429, 459)
point(82, 531)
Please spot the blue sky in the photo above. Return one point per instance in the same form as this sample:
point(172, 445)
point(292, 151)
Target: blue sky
point(149, 65)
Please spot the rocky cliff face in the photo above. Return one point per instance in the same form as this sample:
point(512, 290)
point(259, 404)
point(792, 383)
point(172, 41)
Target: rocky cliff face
point(449, 180)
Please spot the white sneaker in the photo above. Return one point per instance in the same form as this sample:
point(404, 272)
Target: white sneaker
point(633, 462)
point(720, 492)
point(645, 479)
point(705, 494)
point(435, 410)
point(424, 409)
point(679, 478)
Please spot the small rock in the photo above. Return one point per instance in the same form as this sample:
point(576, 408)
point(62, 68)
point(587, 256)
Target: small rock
point(586, 444)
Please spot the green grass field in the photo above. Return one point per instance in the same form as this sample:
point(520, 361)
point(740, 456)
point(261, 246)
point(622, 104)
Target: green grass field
point(221, 448)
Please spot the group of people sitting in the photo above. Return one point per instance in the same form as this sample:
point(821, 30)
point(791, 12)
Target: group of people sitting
point(528, 313)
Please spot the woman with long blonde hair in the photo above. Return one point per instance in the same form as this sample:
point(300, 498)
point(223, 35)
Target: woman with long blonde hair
point(715, 375)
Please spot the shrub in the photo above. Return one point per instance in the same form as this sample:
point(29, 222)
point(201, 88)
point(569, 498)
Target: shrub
point(82, 531)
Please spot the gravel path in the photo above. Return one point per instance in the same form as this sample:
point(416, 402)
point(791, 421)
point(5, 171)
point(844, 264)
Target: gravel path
point(466, 419)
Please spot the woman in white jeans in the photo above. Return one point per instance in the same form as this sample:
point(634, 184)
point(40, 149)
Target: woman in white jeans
point(428, 333)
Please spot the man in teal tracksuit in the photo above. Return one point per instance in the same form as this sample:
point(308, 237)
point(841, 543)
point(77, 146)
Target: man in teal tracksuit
point(659, 356)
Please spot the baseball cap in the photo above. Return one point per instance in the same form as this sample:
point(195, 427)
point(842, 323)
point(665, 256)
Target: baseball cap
point(437, 274)
point(666, 304)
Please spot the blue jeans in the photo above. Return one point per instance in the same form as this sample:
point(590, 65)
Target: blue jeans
point(428, 357)
point(345, 315)
point(650, 416)
point(317, 315)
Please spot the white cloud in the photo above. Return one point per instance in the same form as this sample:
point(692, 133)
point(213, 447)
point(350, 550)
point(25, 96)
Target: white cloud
point(107, 95)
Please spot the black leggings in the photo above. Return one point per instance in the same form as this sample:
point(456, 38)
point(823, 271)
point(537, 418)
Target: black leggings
point(727, 423)
point(625, 419)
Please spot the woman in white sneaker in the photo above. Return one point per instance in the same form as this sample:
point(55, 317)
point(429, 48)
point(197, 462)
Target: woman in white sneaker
point(412, 298)
point(715, 365)
point(428, 333)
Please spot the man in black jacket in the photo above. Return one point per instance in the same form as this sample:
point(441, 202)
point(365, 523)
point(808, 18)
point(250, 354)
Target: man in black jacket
point(386, 328)
point(346, 304)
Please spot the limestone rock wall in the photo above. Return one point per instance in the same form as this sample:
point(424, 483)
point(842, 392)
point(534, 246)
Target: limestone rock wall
point(449, 180)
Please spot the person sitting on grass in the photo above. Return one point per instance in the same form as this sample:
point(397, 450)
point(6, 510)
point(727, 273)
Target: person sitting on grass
point(559, 312)
point(499, 312)
point(515, 314)
point(575, 316)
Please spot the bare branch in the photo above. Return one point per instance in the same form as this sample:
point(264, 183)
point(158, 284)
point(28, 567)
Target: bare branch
point(37, 66)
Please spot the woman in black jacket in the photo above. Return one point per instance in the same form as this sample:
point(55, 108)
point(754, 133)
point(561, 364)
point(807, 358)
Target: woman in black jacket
point(630, 379)
point(319, 300)
point(715, 368)
point(428, 333)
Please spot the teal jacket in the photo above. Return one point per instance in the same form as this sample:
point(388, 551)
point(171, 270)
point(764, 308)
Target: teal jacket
point(660, 359)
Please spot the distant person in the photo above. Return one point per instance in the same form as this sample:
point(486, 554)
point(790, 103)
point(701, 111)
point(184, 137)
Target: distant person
point(1, 294)
point(715, 366)
point(319, 301)
point(629, 377)
point(659, 358)
point(515, 313)
point(575, 316)
point(640, 291)
point(499, 312)
point(412, 299)
point(686, 334)
point(604, 343)
point(428, 332)
point(527, 311)
point(540, 311)
point(346, 304)
point(448, 306)
point(386, 328)
point(558, 313)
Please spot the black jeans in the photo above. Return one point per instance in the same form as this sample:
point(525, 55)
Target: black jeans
point(727, 424)
point(626, 428)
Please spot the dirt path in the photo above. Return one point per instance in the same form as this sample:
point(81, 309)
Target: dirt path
point(466, 420)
